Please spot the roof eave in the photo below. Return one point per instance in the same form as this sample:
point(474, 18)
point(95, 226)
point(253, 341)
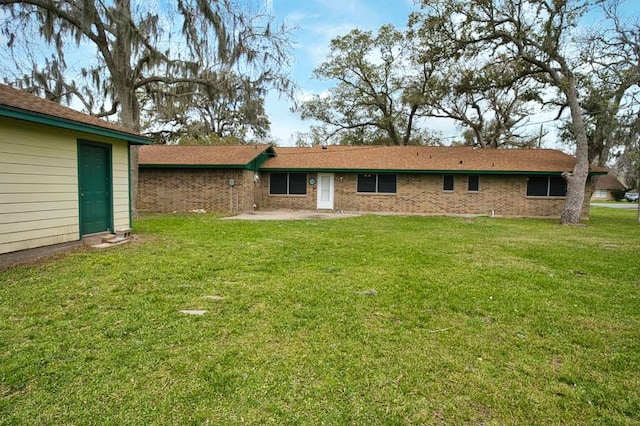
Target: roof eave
point(34, 117)
point(252, 164)
point(418, 171)
point(194, 166)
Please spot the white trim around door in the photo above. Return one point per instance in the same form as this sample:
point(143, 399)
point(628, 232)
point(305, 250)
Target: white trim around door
point(325, 191)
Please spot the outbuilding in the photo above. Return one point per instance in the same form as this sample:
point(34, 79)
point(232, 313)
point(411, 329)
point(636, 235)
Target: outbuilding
point(64, 175)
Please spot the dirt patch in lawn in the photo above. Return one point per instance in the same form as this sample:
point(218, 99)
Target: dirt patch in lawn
point(284, 214)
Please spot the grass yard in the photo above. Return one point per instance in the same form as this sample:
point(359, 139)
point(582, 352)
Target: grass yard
point(367, 320)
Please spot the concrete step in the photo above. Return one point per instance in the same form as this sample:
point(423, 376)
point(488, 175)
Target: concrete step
point(93, 239)
point(123, 232)
point(105, 240)
point(112, 243)
point(108, 238)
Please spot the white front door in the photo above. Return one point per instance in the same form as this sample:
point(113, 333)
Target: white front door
point(325, 191)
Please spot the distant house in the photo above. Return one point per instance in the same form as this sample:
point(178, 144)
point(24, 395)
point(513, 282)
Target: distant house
point(605, 186)
point(63, 174)
point(415, 180)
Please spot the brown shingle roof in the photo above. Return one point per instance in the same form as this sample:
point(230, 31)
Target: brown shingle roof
point(370, 158)
point(20, 100)
point(422, 158)
point(216, 155)
point(607, 182)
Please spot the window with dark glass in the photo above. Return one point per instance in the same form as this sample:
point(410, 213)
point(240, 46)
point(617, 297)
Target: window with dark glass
point(297, 183)
point(288, 183)
point(278, 183)
point(473, 183)
point(387, 184)
point(546, 186)
point(380, 183)
point(447, 183)
point(557, 186)
point(366, 183)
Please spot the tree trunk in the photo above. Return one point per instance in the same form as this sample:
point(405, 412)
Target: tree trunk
point(130, 118)
point(638, 189)
point(123, 81)
point(577, 179)
point(393, 135)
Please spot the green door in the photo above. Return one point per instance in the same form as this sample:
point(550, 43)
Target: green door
point(94, 175)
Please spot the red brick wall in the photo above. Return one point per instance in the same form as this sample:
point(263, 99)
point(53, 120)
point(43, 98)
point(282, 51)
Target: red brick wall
point(184, 190)
point(420, 193)
point(294, 202)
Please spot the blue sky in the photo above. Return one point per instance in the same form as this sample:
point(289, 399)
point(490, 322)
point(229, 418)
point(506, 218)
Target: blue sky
point(318, 22)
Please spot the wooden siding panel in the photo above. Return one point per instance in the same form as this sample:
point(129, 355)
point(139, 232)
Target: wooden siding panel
point(14, 130)
point(37, 149)
point(11, 231)
point(36, 188)
point(39, 184)
point(33, 207)
point(25, 244)
point(35, 216)
point(29, 160)
point(19, 169)
point(28, 178)
point(38, 197)
point(120, 156)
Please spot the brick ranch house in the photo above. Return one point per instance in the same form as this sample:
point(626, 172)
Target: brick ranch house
point(604, 188)
point(411, 179)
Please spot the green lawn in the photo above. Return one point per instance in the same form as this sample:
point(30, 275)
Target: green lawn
point(367, 320)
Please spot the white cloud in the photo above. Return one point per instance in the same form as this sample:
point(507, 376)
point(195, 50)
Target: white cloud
point(316, 47)
point(297, 16)
point(307, 95)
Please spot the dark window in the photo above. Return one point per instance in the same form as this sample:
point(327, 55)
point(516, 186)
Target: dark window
point(297, 183)
point(278, 183)
point(474, 184)
point(537, 186)
point(546, 186)
point(447, 183)
point(387, 184)
point(366, 183)
point(557, 186)
point(288, 183)
point(381, 183)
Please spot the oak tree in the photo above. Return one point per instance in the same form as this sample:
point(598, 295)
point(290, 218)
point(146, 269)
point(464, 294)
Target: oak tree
point(147, 56)
point(535, 34)
point(374, 98)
